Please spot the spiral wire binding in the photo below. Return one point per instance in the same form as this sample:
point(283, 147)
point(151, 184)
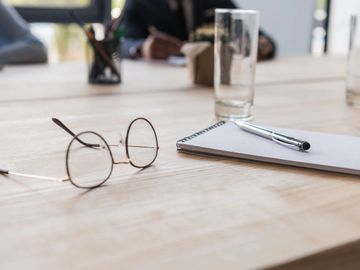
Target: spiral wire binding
point(199, 133)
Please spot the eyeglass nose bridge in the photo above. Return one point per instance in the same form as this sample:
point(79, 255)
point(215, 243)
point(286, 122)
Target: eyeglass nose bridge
point(125, 161)
point(123, 144)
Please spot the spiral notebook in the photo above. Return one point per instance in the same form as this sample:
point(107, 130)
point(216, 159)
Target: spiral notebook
point(329, 152)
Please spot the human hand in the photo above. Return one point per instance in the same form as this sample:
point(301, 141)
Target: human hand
point(266, 49)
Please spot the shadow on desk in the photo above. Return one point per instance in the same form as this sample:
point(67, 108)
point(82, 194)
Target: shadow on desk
point(342, 257)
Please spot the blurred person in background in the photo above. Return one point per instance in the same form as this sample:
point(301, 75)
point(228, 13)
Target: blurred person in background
point(156, 29)
point(17, 44)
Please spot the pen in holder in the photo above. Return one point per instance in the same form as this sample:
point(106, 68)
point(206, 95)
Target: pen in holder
point(104, 62)
point(103, 55)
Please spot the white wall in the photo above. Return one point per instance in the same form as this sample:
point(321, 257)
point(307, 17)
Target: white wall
point(289, 22)
point(340, 24)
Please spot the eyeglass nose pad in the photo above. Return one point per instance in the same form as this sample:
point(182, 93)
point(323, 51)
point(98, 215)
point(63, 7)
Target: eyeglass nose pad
point(122, 141)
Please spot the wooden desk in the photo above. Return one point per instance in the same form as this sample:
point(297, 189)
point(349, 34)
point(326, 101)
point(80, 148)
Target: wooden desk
point(186, 212)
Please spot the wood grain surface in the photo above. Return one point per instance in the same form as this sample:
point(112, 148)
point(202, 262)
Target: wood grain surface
point(185, 212)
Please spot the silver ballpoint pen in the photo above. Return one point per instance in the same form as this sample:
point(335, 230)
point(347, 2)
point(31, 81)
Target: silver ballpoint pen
point(272, 135)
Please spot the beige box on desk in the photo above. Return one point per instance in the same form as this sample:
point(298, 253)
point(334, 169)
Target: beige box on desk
point(200, 58)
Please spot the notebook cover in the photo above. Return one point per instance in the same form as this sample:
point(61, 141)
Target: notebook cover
point(329, 152)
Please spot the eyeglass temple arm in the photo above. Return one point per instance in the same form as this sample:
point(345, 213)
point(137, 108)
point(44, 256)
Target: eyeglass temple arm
point(7, 172)
point(62, 125)
point(143, 146)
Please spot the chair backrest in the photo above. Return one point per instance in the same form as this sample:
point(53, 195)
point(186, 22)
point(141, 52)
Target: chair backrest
point(97, 11)
point(289, 22)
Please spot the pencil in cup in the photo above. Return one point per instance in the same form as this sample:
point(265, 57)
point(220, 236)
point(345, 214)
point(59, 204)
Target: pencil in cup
point(104, 62)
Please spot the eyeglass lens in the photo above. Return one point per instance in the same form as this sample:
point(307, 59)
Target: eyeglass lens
point(141, 143)
point(88, 166)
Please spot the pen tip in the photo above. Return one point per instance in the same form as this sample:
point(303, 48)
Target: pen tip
point(306, 146)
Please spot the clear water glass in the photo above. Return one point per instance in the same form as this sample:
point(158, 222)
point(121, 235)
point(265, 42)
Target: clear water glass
point(236, 47)
point(353, 71)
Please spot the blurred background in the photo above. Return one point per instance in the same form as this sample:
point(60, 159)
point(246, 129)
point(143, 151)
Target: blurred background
point(299, 27)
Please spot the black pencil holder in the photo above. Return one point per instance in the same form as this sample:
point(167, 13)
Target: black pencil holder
point(104, 62)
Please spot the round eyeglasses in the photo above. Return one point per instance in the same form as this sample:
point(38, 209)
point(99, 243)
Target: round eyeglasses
point(90, 160)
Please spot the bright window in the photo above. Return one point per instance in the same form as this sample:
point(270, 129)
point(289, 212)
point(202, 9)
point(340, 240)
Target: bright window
point(65, 42)
point(49, 3)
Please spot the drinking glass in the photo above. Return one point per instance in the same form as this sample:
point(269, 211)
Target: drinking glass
point(353, 72)
point(236, 46)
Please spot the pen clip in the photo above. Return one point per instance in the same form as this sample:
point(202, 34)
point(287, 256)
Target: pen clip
point(286, 141)
point(291, 142)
